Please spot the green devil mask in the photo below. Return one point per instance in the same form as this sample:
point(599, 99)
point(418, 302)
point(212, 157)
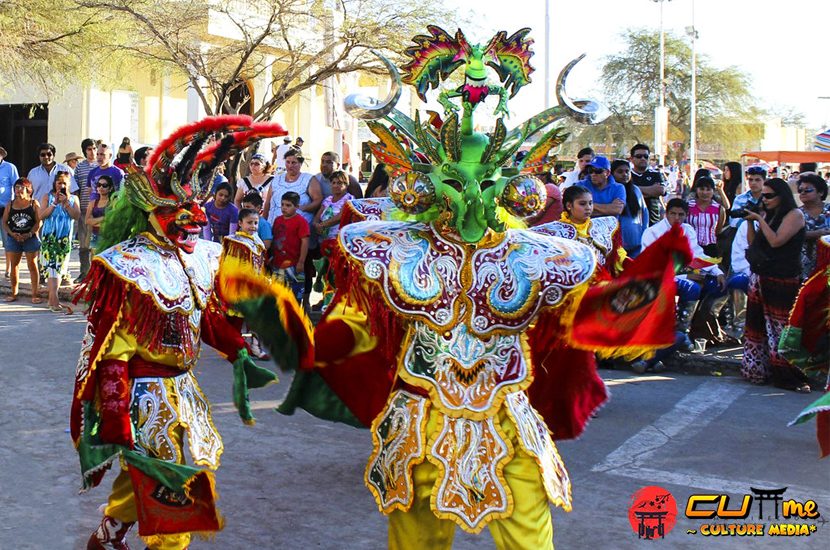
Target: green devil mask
point(442, 170)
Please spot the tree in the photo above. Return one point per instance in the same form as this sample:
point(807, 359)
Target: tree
point(293, 44)
point(47, 43)
point(727, 115)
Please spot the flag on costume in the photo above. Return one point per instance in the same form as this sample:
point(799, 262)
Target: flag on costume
point(634, 313)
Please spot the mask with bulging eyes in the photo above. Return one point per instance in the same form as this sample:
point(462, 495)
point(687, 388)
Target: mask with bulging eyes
point(181, 225)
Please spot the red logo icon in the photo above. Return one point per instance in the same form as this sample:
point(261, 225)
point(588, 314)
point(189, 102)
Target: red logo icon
point(652, 512)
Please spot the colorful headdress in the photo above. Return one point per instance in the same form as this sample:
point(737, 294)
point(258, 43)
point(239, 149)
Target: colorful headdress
point(443, 169)
point(182, 166)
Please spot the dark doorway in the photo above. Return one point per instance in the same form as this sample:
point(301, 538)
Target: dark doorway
point(22, 129)
point(240, 99)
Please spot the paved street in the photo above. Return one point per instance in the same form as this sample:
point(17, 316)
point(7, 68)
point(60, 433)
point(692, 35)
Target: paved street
point(293, 483)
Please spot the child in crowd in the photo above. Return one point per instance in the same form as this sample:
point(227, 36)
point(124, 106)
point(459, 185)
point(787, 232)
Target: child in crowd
point(326, 224)
point(706, 215)
point(253, 201)
point(327, 220)
point(245, 250)
point(222, 215)
point(290, 244)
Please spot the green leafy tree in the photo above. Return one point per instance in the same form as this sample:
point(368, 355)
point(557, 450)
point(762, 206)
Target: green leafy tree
point(728, 119)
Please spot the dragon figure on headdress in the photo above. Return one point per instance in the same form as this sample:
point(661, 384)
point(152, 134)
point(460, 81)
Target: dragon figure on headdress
point(443, 165)
point(438, 55)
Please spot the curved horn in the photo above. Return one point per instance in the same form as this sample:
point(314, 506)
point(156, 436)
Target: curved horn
point(369, 108)
point(585, 111)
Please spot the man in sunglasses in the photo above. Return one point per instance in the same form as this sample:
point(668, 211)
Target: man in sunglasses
point(755, 177)
point(43, 175)
point(651, 182)
point(608, 195)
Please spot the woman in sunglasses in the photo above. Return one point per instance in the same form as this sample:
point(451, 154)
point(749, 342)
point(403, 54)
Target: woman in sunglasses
point(95, 214)
point(21, 224)
point(812, 190)
point(775, 238)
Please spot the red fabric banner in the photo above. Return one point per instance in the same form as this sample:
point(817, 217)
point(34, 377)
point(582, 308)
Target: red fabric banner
point(634, 313)
point(163, 512)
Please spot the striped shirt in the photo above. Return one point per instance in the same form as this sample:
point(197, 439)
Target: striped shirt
point(81, 176)
point(705, 222)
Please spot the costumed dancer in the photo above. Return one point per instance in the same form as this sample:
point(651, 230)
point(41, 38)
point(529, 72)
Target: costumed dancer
point(805, 341)
point(445, 315)
point(151, 303)
point(245, 247)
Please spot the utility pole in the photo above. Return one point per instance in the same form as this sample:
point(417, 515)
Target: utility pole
point(547, 54)
point(661, 119)
point(692, 33)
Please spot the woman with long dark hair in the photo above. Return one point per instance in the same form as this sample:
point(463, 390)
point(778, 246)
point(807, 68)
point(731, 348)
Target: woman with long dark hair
point(59, 210)
point(732, 180)
point(378, 182)
point(775, 238)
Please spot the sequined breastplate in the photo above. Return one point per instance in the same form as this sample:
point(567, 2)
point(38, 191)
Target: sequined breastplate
point(179, 285)
point(600, 235)
point(499, 284)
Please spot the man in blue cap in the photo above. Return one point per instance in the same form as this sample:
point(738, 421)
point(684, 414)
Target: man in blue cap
point(609, 196)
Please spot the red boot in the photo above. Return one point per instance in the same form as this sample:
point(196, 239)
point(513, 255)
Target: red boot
point(110, 535)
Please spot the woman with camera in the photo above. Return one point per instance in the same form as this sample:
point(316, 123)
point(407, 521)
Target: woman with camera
point(775, 236)
point(59, 210)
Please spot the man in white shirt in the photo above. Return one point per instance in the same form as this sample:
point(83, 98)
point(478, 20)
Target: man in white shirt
point(583, 159)
point(707, 281)
point(43, 175)
point(279, 154)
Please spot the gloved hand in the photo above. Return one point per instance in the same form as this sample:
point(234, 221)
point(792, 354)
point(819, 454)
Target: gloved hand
point(114, 389)
point(247, 374)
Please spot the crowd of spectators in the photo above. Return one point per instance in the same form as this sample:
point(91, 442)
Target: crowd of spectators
point(753, 236)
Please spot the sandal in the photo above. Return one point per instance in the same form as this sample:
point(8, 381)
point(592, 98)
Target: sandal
point(805, 388)
point(55, 309)
point(36, 300)
point(11, 298)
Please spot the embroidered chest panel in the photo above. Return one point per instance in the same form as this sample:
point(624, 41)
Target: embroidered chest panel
point(498, 284)
point(175, 284)
point(601, 234)
point(468, 375)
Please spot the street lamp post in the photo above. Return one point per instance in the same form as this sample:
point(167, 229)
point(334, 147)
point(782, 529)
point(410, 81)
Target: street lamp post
point(692, 33)
point(660, 118)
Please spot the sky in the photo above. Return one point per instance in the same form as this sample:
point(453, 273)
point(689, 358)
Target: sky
point(778, 44)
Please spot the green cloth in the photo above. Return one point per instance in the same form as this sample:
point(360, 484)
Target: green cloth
point(792, 349)
point(311, 393)
point(263, 318)
point(819, 405)
point(246, 375)
point(96, 456)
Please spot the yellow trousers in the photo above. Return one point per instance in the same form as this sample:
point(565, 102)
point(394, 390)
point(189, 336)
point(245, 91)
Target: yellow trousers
point(121, 506)
point(528, 528)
